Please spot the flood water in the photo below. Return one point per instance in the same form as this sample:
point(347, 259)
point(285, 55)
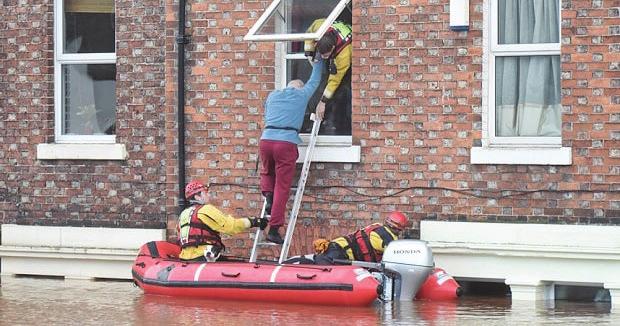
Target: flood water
point(37, 301)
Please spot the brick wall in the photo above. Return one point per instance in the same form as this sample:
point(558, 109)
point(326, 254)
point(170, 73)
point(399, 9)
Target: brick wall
point(417, 103)
point(26, 77)
point(417, 106)
point(227, 81)
point(591, 118)
point(420, 89)
point(82, 193)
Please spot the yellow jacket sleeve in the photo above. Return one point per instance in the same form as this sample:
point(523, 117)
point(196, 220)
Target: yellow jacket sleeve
point(376, 241)
point(220, 222)
point(342, 242)
point(309, 45)
point(343, 63)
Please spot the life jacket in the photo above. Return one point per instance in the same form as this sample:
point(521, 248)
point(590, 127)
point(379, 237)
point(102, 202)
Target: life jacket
point(193, 232)
point(343, 36)
point(360, 245)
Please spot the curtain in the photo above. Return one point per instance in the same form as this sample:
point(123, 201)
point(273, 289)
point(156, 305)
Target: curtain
point(527, 93)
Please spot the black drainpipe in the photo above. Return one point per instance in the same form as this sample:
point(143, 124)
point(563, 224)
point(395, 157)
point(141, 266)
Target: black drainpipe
point(181, 39)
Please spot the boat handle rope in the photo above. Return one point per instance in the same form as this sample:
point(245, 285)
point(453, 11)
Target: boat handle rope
point(306, 277)
point(231, 275)
point(322, 269)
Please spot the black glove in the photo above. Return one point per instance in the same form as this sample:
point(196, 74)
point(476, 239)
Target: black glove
point(258, 222)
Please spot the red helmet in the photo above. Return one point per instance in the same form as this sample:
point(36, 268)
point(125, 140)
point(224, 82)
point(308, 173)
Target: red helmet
point(193, 188)
point(397, 220)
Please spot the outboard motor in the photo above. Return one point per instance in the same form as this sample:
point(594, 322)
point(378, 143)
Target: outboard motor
point(407, 264)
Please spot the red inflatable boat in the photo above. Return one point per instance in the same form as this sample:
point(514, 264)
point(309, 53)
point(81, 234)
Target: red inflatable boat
point(439, 286)
point(157, 270)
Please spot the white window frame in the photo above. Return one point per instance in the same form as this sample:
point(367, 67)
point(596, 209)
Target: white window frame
point(252, 36)
point(511, 150)
point(60, 59)
point(328, 148)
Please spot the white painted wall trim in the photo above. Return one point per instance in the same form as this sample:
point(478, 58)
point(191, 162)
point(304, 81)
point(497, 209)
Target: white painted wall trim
point(568, 236)
point(81, 152)
point(72, 252)
point(343, 154)
point(521, 155)
point(530, 257)
point(330, 149)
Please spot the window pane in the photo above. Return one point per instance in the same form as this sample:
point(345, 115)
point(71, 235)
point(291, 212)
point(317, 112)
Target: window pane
point(527, 96)
point(89, 100)
point(294, 16)
point(528, 21)
point(337, 119)
point(89, 26)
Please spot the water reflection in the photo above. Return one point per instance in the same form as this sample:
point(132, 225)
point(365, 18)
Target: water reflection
point(165, 310)
point(29, 301)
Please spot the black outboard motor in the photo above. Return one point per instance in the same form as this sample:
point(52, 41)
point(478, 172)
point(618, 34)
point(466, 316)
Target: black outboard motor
point(407, 264)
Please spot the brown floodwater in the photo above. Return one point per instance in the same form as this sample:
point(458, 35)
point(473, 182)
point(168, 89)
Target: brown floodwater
point(42, 301)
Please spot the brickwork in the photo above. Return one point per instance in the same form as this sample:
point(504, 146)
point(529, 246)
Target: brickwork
point(26, 76)
point(82, 193)
point(227, 81)
point(420, 86)
point(417, 111)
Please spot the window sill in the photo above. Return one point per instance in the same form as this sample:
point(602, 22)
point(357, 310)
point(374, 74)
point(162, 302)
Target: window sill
point(335, 149)
point(521, 155)
point(81, 152)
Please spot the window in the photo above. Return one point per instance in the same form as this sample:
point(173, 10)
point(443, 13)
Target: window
point(288, 20)
point(85, 71)
point(290, 23)
point(523, 99)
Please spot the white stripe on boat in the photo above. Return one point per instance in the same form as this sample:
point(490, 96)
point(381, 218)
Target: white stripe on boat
point(274, 273)
point(197, 274)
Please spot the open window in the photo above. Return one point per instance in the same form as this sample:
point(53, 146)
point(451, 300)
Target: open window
point(288, 20)
point(287, 23)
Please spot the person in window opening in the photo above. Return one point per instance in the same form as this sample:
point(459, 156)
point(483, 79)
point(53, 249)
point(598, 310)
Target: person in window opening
point(366, 244)
point(200, 226)
point(335, 48)
point(284, 115)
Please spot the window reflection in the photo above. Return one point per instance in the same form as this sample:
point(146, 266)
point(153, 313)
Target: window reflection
point(89, 26)
point(89, 101)
point(294, 16)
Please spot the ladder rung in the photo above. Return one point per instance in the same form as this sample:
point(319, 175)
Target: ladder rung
point(301, 183)
point(267, 244)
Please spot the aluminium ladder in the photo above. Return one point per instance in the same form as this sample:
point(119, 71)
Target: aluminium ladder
point(301, 184)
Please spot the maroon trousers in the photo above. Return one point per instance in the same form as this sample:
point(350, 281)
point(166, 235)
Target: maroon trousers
point(277, 170)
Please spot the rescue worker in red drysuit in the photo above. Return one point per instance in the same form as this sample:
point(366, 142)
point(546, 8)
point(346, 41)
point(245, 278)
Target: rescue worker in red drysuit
point(200, 226)
point(366, 244)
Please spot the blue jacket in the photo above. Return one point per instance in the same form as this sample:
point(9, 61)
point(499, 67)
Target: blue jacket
point(287, 107)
